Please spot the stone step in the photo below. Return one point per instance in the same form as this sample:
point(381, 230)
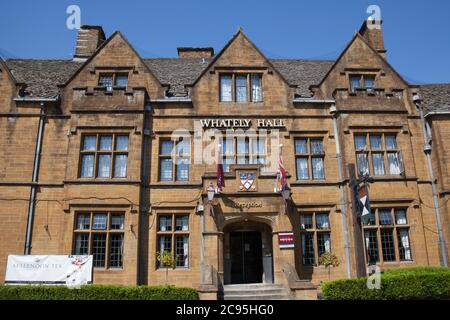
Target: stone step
point(236, 287)
point(255, 291)
point(271, 296)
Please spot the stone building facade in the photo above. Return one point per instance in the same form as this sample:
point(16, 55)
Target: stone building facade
point(111, 154)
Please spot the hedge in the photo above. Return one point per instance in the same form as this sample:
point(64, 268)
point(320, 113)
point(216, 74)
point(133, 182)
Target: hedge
point(400, 284)
point(96, 292)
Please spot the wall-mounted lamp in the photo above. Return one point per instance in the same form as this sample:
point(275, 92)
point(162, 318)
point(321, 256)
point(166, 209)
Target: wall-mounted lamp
point(211, 191)
point(286, 193)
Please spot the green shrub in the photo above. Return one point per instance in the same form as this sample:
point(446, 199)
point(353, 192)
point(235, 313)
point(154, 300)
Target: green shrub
point(399, 284)
point(97, 292)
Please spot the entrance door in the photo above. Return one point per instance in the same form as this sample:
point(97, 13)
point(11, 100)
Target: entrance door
point(246, 257)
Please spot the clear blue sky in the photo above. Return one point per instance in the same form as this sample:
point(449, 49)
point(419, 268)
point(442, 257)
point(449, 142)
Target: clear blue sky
point(417, 33)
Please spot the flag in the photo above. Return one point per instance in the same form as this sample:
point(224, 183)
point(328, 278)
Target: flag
point(220, 178)
point(281, 173)
point(363, 203)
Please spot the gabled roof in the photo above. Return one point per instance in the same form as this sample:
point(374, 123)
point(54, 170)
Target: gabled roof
point(360, 37)
point(217, 56)
point(435, 97)
point(99, 49)
point(43, 76)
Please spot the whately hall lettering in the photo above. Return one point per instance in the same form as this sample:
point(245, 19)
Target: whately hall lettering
point(241, 123)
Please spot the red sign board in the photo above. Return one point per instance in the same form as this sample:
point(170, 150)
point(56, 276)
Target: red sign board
point(286, 240)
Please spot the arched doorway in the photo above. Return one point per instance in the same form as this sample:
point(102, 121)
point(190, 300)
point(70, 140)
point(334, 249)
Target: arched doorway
point(248, 252)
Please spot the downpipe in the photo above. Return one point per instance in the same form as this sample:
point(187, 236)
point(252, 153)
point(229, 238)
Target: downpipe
point(427, 150)
point(32, 200)
point(342, 198)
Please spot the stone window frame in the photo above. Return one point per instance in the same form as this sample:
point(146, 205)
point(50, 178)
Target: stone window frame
point(113, 153)
point(174, 234)
point(113, 74)
point(309, 156)
point(107, 231)
point(249, 94)
point(314, 231)
point(251, 156)
point(383, 150)
point(174, 157)
point(362, 74)
point(376, 226)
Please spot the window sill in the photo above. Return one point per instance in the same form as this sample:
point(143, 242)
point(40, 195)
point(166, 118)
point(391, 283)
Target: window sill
point(100, 269)
point(313, 183)
point(102, 181)
point(393, 178)
point(164, 184)
point(159, 269)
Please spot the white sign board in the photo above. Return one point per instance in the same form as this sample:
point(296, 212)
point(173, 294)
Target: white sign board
point(45, 269)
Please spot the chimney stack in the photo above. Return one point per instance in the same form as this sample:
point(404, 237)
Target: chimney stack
point(88, 40)
point(374, 36)
point(189, 52)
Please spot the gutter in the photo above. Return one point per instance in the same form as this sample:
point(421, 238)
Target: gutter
point(310, 100)
point(437, 113)
point(36, 99)
point(172, 100)
point(427, 150)
point(342, 196)
point(32, 201)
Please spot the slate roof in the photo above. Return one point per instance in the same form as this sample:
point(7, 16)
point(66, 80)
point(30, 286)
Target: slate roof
point(177, 72)
point(302, 73)
point(435, 97)
point(42, 77)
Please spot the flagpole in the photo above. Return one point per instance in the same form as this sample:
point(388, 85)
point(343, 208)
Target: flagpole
point(277, 182)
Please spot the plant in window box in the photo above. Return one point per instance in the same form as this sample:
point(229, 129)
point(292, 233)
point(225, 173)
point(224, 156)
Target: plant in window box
point(167, 260)
point(328, 260)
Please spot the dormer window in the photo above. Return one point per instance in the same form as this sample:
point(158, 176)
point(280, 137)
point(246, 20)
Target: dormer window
point(107, 80)
point(362, 82)
point(241, 87)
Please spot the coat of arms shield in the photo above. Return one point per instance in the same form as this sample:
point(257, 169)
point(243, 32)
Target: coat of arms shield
point(247, 180)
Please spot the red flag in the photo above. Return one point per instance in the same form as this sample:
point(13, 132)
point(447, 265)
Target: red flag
point(220, 178)
point(282, 173)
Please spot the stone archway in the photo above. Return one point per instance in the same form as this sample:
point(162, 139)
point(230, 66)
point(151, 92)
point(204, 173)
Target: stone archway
point(247, 252)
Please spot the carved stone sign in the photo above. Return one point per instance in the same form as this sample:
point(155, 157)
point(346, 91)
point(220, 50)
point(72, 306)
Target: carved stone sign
point(241, 123)
point(247, 205)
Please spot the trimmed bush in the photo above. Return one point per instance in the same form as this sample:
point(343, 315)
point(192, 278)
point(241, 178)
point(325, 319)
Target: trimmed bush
point(97, 292)
point(399, 284)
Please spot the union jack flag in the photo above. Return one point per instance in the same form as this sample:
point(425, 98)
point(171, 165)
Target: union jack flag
point(281, 173)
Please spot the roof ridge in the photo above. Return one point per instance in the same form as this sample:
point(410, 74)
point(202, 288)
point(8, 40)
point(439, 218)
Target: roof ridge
point(435, 84)
point(302, 59)
point(40, 59)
